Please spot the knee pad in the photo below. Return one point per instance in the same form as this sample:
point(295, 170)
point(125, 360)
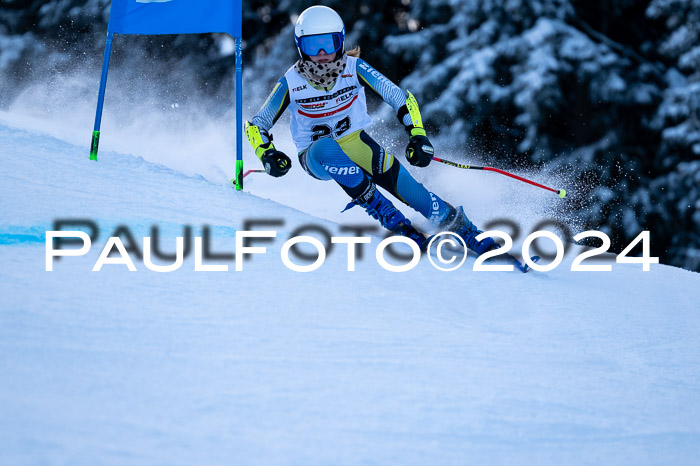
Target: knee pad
point(325, 159)
point(328, 153)
point(321, 154)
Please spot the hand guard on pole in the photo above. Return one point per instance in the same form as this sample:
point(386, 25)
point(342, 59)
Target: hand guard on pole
point(420, 151)
point(276, 163)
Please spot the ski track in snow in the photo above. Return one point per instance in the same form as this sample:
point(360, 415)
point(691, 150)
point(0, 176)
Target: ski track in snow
point(270, 366)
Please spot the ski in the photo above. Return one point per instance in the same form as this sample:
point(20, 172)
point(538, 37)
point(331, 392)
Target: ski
point(522, 266)
point(518, 265)
point(503, 258)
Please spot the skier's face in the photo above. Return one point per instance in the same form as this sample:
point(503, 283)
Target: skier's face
point(323, 57)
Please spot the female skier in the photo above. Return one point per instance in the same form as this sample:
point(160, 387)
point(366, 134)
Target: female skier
point(325, 90)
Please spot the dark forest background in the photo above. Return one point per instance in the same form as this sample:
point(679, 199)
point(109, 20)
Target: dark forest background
point(605, 91)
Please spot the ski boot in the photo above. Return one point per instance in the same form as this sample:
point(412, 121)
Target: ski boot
point(389, 216)
point(458, 222)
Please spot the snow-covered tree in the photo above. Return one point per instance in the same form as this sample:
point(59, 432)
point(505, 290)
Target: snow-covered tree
point(577, 88)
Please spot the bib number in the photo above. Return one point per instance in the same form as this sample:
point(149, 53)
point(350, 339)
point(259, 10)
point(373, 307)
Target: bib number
point(325, 131)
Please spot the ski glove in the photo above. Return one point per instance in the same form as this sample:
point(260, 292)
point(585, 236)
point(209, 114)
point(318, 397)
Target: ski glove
point(419, 152)
point(276, 163)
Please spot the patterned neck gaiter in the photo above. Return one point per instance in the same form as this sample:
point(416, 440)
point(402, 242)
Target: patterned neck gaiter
point(321, 74)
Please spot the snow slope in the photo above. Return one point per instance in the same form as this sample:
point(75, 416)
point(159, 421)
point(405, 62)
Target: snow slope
point(270, 366)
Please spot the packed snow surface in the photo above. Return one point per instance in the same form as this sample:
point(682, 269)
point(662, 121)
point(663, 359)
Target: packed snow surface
point(271, 366)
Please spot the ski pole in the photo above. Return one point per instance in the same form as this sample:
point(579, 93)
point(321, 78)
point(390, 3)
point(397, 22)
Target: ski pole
point(248, 172)
point(560, 192)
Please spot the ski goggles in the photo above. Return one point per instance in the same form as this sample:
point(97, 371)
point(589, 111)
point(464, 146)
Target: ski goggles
point(311, 45)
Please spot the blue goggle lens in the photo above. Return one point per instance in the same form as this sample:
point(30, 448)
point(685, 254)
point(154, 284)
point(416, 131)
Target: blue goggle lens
point(312, 45)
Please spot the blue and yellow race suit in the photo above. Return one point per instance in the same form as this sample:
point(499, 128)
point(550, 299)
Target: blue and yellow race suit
point(328, 128)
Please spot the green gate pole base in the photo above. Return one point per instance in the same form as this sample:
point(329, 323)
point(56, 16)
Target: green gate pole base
point(239, 175)
point(94, 145)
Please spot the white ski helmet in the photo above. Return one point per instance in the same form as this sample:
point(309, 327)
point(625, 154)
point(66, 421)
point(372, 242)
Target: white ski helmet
point(319, 28)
